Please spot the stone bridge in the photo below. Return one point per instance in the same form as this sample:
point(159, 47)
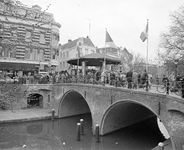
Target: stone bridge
point(114, 108)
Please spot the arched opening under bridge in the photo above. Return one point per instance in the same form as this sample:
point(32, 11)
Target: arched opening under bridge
point(72, 104)
point(128, 114)
point(34, 100)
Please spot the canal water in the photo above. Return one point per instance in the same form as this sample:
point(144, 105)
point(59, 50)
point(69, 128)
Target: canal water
point(61, 134)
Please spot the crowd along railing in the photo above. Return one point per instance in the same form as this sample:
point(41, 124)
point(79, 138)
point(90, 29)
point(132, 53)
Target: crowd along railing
point(161, 86)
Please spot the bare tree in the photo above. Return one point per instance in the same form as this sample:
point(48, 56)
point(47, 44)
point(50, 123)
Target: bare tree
point(172, 41)
point(139, 63)
point(126, 59)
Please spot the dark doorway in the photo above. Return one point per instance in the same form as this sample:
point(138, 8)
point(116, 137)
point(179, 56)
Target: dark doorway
point(35, 100)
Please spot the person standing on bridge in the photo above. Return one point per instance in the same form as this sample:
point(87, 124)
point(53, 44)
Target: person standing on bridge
point(129, 78)
point(135, 80)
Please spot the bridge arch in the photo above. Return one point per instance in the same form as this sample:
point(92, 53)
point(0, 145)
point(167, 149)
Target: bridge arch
point(72, 103)
point(125, 113)
point(34, 99)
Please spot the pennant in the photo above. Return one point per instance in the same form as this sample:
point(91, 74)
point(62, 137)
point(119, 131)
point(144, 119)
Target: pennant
point(144, 34)
point(109, 41)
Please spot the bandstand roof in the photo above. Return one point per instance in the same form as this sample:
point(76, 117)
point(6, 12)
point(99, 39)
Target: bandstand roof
point(94, 59)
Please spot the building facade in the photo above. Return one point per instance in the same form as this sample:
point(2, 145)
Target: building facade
point(29, 38)
point(75, 49)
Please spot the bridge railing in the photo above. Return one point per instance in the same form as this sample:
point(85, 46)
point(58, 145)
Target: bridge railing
point(160, 85)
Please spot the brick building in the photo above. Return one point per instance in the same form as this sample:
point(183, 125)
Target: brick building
point(29, 38)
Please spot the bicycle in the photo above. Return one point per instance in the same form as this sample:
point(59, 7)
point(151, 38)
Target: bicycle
point(172, 86)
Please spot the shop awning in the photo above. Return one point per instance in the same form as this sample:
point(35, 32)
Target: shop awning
point(18, 66)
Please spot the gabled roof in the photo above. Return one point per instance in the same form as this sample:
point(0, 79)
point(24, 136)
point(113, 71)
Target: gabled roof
point(86, 41)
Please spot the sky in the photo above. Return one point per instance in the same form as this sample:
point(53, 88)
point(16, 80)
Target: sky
point(123, 19)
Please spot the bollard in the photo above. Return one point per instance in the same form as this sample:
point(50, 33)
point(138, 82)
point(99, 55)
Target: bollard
point(78, 132)
point(160, 146)
point(82, 126)
point(53, 112)
point(97, 133)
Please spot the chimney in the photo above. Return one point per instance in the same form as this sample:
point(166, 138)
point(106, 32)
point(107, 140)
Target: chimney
point(69, 40)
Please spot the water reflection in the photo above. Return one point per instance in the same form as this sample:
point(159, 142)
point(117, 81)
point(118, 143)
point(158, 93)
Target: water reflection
point(61, 134)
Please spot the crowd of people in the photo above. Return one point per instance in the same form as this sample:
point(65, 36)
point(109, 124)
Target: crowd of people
point(174, 81)
point(130, 79)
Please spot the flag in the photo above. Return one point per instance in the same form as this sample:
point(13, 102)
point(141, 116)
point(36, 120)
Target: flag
point(109, 41)
point(144, 34)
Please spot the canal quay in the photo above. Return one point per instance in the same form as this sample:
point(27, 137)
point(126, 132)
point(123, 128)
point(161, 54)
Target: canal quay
point(127, 118)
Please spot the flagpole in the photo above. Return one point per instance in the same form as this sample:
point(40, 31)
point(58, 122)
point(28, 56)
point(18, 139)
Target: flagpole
point(147, 48)
point(105, 51)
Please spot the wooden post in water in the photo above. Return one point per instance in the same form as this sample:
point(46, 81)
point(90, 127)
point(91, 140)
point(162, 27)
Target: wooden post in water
point(82, 126)
point(78, 132)
point(160, 146)
point(97, 133)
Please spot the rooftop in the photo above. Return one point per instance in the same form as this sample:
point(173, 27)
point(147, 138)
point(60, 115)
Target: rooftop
point(70, 44)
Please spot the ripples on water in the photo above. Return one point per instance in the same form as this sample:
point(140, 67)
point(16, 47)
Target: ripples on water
point(61, 135)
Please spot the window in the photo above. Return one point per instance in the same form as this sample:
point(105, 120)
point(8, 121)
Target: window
point(1, 52)
point(27, 53)
point(42, 38)
point(64, 65)
point(60, 65)
point(28, 36)
point(7, 52)
point(92, 51)
point(63, 54)
point(67, 54)
point(41, 55)
point(48, 98)
point(86, 51)
point(13, 52)
point(31, 55)
point(35, 55)
point(1, 6)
